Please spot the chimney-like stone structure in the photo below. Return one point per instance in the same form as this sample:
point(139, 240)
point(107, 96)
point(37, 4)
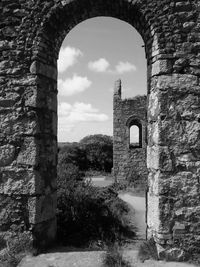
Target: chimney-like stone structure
point(129, 162)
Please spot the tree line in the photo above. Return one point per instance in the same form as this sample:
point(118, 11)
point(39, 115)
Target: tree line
point(93, 152)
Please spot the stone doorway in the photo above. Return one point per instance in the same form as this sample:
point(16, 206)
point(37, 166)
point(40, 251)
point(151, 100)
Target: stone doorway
point(30, 42)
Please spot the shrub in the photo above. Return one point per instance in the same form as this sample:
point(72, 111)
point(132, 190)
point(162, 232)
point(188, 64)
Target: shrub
point(99, 152)
point(94, 152)
point(68, 176)
point(87, 214)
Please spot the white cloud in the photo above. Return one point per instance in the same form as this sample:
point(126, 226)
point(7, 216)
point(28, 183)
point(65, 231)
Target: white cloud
point(79, 112)
point(68, 56)
point(100, 65)
point(74, 85)
point(70, 117)
point(123, 67)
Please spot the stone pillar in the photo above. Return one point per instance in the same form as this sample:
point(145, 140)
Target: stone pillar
point(28, 149)
point(173, 162)
point(117, 139)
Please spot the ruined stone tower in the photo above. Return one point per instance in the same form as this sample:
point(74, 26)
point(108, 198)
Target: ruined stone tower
point(129, 161)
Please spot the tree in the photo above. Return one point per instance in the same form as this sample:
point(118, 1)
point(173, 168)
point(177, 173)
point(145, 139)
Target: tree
point(72, 153)
point(99, 152)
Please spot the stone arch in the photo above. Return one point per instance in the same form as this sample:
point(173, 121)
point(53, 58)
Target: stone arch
point(57, 21)
point(30, 41)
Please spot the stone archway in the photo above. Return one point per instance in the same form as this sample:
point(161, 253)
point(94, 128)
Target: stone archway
point(31, 36)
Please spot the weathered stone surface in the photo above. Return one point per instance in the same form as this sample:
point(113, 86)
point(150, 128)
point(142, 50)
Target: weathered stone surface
point(7, 154)
point(29, 152)
point(30, 39)
point(43, 69)
point(161, 67)
point(14, 181)
point(42, 208)
point(13, 213)
point(159, 158)
point(171, 254)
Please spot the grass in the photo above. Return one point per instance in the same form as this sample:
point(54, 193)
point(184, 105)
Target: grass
point(114, 257)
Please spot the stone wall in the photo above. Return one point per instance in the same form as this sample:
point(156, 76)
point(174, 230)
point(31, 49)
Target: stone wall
point(129, 162)
point(31, 34)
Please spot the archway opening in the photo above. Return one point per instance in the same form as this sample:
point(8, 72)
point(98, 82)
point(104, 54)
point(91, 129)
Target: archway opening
point(50, 35)
point(92, 57)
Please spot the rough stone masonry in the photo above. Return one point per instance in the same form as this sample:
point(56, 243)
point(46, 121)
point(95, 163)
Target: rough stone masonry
point(129, 160)
point(31, 34)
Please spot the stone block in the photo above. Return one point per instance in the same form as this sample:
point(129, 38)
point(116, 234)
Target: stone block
point(37, 97)
point(161, 67)
point(159, 158)
point(153, 106)
point(173, 254)
point(43, 69)
point(153, 157)
point(28, 154)
point(154, 134)
point(153, 215)
point(13, 213)
point(7, 155)
point(178, 230)
point(14, 181)
point(177, 81)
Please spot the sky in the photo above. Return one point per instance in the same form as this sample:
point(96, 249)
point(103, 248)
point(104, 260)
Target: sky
point(95, 54)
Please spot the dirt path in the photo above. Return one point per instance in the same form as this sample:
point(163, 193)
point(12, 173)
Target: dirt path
point(139, 207)
point(100, 181)
point(90, 259)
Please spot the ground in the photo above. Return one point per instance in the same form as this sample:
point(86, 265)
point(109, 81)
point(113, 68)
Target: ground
point(90, 259)
point(95, 258)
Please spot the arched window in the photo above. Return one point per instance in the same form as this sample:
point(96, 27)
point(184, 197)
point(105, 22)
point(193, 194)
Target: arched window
point(135, 134)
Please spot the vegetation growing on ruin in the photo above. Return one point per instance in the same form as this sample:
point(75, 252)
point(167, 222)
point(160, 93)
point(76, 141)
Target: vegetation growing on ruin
point(94, 216)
